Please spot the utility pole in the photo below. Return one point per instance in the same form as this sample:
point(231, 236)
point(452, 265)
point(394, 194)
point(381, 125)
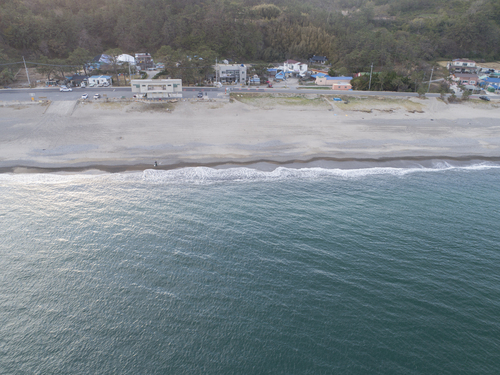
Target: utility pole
point(216, 72)
point(430, 79)
point(370, 84)
point(27, 74)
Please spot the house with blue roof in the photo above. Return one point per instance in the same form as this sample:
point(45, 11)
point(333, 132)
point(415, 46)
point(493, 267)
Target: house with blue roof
point(280, 76)
point(320, 75)
point(490, 83)
point(326, 80)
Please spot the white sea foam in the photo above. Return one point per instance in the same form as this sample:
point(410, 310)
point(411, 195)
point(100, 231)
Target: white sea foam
point(200, 175)
point(205, 175)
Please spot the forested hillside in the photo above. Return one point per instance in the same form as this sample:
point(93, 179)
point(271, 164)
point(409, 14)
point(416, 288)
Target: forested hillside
point(351, 33)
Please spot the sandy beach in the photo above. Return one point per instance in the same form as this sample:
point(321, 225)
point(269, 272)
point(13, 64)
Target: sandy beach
point(118, 136)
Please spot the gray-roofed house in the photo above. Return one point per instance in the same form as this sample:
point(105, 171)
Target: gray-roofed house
point(318, 60)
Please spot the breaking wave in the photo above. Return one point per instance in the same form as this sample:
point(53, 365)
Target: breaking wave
point(205, 175)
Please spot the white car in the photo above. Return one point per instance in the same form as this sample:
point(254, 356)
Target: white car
point(97, 96)
point(65, 89)
point(91, 84)
point(85, 96)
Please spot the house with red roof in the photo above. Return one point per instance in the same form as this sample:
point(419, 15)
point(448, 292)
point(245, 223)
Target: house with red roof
point(465, 78)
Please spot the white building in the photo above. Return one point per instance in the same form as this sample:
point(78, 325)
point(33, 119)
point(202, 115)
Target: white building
point(231, 73)
point(295, 68)
point(462, 66)
point(100, 80)
point(124, 58)
point(158, 88)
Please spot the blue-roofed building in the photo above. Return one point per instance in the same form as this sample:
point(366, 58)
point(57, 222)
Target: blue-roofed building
point(328, 81)
point(280, 76)
point(489, 82)
point(320, 75)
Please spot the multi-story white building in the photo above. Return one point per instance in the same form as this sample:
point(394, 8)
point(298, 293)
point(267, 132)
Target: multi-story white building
point(462, 66)
point(158, 88)
point(231, 73)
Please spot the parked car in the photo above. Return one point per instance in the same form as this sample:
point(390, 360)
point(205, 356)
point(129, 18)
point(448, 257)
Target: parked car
point(483, 97)
point(97, 96)
point(65, 89)
point(105, 84)
point(200, 95)
point(85, 96)
point(92, 84)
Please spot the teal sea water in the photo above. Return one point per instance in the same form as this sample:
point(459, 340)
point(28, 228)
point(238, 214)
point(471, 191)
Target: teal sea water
point(238, 271)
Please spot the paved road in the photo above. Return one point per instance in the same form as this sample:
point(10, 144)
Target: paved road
point(54, 94)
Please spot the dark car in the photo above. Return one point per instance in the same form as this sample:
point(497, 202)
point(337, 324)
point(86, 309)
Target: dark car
point(483, 97)
point(200, 95)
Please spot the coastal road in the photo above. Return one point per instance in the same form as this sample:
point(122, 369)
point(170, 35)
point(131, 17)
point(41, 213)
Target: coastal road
point(53, 93)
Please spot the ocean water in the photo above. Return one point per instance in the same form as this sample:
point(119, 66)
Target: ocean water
point(238, 271)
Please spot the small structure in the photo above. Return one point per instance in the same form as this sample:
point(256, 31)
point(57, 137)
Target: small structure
point(320, 78)
point(158, 88)
point(271, 72)
point(255, 80)
point(340, 83)
point(337, 83)
point(317, 71)
point(99, 80)
point(280, 76)
point(76, 79)
point(231, 73)
point(318, 60)
point(144, 60)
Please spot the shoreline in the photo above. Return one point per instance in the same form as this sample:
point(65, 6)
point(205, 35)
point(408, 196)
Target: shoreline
point(266, 165)
point(262, 132)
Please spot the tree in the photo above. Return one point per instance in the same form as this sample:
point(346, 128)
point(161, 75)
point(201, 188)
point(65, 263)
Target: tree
point(260, 69)
point(6, 76)
point(80, 57)
point(421, 91)
point(113, 56)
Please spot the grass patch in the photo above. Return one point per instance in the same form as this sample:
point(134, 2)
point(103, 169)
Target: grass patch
point(164, 107)
point(269, 101)
point(479, 103)
point(377, 103)
point(315, 87)
point(108, 105)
